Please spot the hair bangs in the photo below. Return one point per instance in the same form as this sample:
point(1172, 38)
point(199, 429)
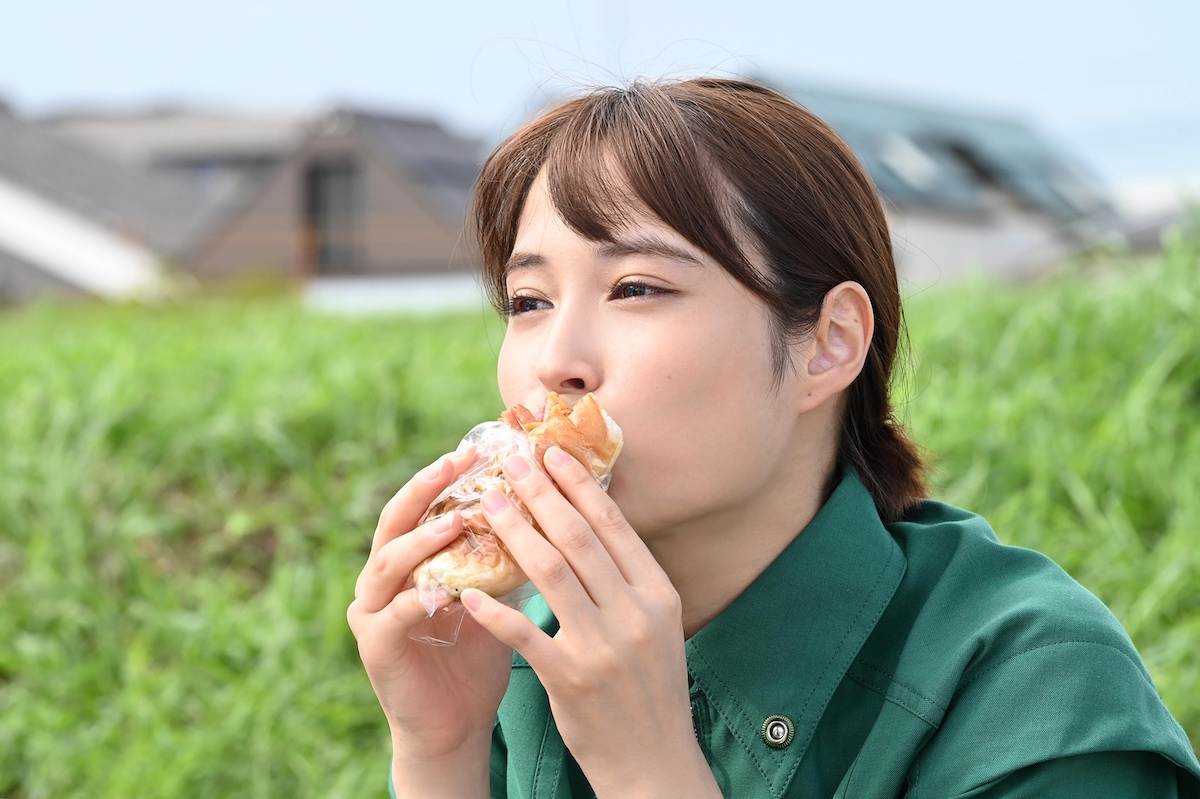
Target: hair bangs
point(633, 153)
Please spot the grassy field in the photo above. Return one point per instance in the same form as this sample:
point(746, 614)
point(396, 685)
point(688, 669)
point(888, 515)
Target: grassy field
point(187, 493)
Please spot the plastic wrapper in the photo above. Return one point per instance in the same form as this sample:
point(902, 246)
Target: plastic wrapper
point(477, 558)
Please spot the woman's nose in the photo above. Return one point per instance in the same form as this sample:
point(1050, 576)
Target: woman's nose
point(569, 361)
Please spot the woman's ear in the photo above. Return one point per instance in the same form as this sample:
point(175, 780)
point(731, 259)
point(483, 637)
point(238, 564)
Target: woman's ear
point(839, 344)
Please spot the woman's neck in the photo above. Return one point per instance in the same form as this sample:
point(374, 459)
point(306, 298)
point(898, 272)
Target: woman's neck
point(713, 560)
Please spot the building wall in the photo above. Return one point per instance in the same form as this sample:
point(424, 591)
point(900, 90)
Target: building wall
point(256, 235)
point(1008, 242)
point(398, 231)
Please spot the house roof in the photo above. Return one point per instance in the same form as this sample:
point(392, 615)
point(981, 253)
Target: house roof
point(443, 163)
point(166, 136)
point(160, 212)
point(920, 155)
point(68, 248)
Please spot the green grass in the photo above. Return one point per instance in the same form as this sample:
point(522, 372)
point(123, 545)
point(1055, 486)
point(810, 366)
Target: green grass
point(187, 494)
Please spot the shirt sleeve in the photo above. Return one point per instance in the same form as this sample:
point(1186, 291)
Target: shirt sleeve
point(1040, 712)
point(1130, 775)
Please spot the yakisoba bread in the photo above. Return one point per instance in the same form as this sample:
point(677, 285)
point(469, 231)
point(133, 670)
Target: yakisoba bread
point(477, 558)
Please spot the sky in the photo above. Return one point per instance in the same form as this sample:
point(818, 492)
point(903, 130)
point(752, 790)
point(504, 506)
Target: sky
point(1115, 83)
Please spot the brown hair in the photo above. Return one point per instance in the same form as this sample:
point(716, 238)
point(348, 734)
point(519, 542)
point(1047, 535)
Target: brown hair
point(724, 162)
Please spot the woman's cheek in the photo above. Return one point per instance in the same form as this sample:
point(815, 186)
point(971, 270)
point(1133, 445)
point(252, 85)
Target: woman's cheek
point(514, 370)
point(655, 481)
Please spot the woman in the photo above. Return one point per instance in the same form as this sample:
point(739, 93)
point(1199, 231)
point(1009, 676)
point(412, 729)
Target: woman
point(764, 604)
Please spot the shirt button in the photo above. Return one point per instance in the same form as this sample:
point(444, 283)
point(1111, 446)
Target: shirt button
point(778, 731)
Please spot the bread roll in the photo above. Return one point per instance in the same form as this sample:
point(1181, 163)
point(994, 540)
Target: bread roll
point(477, 558)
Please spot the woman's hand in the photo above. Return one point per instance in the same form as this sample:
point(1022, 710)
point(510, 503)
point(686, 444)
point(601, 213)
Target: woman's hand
point(615, 672)
point(440, 702)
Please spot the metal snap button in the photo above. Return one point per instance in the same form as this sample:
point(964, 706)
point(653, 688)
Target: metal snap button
point(778, 731)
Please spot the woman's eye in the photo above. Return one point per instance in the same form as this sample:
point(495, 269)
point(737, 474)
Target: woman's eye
point(626, 291)
point(519, 304)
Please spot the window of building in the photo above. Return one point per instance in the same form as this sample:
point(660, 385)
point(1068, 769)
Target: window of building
point(332, 211)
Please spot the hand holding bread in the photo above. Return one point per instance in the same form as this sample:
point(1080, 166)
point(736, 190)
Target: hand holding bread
point(477, 558)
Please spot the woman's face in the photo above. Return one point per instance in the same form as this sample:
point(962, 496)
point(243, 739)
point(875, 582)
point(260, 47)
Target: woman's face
point(674, 348)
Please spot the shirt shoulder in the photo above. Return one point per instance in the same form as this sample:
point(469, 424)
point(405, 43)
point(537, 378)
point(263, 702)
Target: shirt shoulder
point(967, 596)
point(1016, 659)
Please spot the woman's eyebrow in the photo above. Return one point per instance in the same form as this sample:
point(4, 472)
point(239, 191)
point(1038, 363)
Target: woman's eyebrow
point(647, 245)
point(523, 260)
point(612, 250)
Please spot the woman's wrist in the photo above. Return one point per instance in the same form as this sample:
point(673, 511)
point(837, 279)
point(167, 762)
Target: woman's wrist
point(688, 776)
point(463, 772)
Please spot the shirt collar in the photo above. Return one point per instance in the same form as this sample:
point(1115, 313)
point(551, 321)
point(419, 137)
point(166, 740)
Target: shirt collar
point(783, 646)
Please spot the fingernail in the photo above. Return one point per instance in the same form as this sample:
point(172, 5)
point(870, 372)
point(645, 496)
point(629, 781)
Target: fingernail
point(494, 501)
point(433, 472)
point(442, 524)
point(557, 457)
point(472, 598)
point(516, 467)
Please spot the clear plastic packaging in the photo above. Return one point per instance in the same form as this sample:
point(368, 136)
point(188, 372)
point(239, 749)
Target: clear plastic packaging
point(477, 558)
point(438, 580)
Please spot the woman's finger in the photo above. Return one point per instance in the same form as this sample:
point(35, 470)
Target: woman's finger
point(387, 570)
point(538, 558)
point(405, 509)
point(626, 549)
point(565, 528)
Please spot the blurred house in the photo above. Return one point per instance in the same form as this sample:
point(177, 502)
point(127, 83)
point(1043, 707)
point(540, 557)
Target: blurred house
point(347, 201)
point(965, 192)
point(74, 222)
point(345, 194)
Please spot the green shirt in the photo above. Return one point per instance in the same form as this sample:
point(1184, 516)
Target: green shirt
point(917, 659)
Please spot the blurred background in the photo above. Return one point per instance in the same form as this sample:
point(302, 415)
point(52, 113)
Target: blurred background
point(238, 311)
point(315, 140)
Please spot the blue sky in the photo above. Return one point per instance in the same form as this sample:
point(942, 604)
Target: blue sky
point(1118, 83)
